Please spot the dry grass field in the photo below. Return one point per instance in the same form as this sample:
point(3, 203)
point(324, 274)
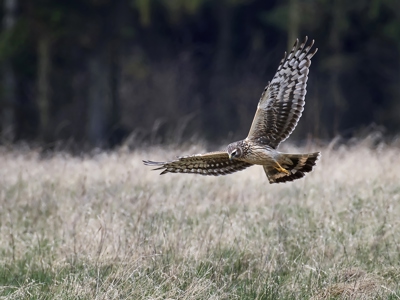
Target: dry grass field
point(107, 227)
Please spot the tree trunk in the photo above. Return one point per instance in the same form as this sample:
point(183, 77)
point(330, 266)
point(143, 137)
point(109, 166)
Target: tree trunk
point(99, 98)
point(119, 18)
point(294, 21)
point(336, 45)
point(43, 86)
point(216, 104)
point(9, 82)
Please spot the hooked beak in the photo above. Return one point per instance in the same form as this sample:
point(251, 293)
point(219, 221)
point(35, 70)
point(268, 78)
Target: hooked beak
point(230, 156)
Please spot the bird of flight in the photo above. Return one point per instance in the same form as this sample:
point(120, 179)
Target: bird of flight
point(278, 111)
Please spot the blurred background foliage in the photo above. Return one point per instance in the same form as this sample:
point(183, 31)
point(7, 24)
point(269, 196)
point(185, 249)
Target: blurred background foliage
point(96, 73)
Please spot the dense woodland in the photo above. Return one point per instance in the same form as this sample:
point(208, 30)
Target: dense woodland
point(96, 73)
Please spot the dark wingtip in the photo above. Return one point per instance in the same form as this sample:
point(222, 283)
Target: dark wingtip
point(148, 162)
point(158, 164)
point(152, 163)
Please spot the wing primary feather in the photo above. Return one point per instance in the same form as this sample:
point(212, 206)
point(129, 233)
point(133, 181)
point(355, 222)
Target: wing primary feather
point(281, 63)
point(290, 56)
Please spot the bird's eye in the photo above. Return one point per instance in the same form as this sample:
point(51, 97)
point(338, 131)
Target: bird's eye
point(234, 152)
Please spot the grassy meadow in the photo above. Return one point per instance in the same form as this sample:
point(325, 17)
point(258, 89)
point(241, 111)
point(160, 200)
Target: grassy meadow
point(107, 227)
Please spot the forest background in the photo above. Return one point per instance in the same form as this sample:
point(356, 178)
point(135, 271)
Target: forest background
point(98, 73)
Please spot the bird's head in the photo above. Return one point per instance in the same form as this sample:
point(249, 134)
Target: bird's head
point(235, 150)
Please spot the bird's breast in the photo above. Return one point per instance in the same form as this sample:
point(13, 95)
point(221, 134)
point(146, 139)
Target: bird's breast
point(260, 155)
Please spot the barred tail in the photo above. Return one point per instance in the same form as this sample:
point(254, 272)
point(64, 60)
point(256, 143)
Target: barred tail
point(296, 164)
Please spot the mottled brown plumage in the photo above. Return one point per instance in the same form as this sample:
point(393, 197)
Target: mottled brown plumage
point(212, 163)
point(278, 111)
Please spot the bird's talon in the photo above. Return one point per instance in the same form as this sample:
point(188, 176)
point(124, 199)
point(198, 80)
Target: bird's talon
point(282, 170)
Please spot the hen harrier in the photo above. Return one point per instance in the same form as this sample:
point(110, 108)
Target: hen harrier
point(278, 111)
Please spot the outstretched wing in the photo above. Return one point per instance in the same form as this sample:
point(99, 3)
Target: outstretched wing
point(281, 104)
point(212, 163)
